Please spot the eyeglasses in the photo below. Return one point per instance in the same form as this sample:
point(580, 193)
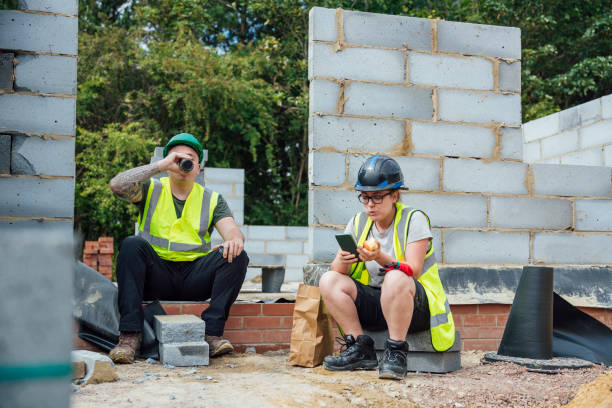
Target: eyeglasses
point(377, 199)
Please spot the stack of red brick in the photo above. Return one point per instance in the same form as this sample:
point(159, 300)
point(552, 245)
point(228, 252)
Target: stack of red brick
point(99, 255)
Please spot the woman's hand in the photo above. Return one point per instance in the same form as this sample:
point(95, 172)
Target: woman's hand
point(347, 258)
point(366, 255)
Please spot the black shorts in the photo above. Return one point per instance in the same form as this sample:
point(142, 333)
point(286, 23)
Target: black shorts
point(370, 311)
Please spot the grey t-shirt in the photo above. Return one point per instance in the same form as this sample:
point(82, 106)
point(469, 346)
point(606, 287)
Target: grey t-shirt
point(417, 230)
point(221, 210)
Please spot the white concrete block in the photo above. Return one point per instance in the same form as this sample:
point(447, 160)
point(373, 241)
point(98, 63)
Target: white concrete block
point(480, 247)
point(606, 106)
point(596, 135)
point(477, 39)
point(362, 64)
point(45, 115)
point(560, 143)
point(239, 217)
point(333, 206)
point(542, 127)
point(569, 248)
point(449, 210)
point(531, 213)
point(296, 261)
point(510, 76)
point(225, 189)
point(452, 140)
point(324, 244)
point(186, 354)
point(437, 243)
point(284, 247)
point(34, 155)
point(591, 157)
point(512, 143)
point(267, 259)
point(235, 204)
point(346, 134)
point(46, 74)
point(476, 176)
point(56, 6)
point(35, 197)
point(453, 72)
point(223, 175)
point(593, 215)
point(179, 328)
point(254, 246)
point(326, 169)
point(608, 155)
point(323, 96)
point(38, 32)
point(388, 101)
point(419, 173)
point(322, 24)
point(580, 115)
point(479, 107)
point(553, 160)
point(297, 233)
point(565, 180)
point(294, 274)
point(387, 31)
point(266, 232)
point(532, 152)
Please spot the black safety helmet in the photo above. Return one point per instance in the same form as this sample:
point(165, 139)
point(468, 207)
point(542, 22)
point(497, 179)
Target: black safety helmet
point(379, 173)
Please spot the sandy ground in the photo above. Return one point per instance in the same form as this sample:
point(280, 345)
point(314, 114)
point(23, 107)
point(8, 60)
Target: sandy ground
point(252, 380)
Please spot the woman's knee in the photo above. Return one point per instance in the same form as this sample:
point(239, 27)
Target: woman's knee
point(334, 283)
point(397, 283)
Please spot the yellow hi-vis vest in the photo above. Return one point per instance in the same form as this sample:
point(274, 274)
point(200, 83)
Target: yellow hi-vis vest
point(177, 239)
point(441, 321)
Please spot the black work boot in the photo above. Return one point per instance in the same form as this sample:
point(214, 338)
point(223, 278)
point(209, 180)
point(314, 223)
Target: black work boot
point(355, 355)
point(393, 364)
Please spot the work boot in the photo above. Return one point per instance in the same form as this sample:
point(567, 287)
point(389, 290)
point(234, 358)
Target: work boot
point(354, 355)
point(218, 345)
point(125, 351)
point(393, 364)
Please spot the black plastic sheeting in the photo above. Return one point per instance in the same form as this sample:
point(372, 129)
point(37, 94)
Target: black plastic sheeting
point(576, 334)
point(95, 308)
point(528, 332)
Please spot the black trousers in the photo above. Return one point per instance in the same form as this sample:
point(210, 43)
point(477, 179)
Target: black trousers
point(143, 275)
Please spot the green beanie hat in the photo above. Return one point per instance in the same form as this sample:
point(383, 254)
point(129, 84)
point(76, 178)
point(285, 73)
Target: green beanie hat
point(185, 139)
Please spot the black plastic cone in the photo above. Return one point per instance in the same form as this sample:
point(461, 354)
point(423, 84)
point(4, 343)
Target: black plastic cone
point(529, 329)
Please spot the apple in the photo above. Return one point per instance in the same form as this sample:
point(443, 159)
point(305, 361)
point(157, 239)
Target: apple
point(371, 244)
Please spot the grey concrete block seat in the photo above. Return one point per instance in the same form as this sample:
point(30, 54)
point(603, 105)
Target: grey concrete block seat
point(422, 357)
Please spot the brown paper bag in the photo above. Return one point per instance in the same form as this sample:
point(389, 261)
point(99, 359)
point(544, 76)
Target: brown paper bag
point(311, 336)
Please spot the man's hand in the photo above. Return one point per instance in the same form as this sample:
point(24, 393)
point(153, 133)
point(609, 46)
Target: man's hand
point(347, 258)
point(170, 162)
point(366, 255)
point(231, 248)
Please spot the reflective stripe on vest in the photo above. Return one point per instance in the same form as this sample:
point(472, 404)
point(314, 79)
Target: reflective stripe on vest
point(441, 322)
point(176, 250)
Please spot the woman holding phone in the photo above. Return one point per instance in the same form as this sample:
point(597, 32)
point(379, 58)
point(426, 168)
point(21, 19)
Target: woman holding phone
point(393, 284)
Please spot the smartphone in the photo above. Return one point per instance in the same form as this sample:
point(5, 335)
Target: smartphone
point(347, 243)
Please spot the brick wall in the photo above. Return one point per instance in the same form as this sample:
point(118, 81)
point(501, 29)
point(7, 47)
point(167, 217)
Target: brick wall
point(581, 135)
point(443, 98)
point(98, 255)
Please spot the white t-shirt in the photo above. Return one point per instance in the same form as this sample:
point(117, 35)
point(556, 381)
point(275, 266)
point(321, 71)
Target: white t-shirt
point(418, 230)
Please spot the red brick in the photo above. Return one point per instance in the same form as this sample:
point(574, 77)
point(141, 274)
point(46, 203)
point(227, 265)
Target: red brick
point(243, 336)
point(287, 323)
point(91, 247)
point(464, 309)
point(106, 239)
point(193, 308)
point(106, 245)
point(262, 322)
point(479, 320)
point(105, 260)
point(173, 308)
point(105, 270)
point(469, 332)
point(278, 309)
point(108, 251)
point(234, 322)
point(490, 332)
point(458, 320)
point(246, 309)
point(261, 348)
point(493, 309)
point(481, 344)
point(277, 336)
point(502, 320)
point(91, 260)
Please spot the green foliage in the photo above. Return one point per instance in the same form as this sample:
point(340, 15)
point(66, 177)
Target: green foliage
point(235, 75)
point(99, 156)
point(9, 4)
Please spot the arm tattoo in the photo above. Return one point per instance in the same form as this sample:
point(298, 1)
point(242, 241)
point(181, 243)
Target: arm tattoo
point(128, 184)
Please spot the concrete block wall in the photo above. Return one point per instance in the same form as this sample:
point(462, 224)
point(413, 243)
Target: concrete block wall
point(443, 99)
point(581, 135)
point(275, 245)
point(38, 60)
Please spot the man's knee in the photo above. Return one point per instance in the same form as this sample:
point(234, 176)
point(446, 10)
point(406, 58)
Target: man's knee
point(132, 243)
point(397, 283)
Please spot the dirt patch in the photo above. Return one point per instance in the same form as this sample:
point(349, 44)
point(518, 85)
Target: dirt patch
point(597, 394)
point(270, 381)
